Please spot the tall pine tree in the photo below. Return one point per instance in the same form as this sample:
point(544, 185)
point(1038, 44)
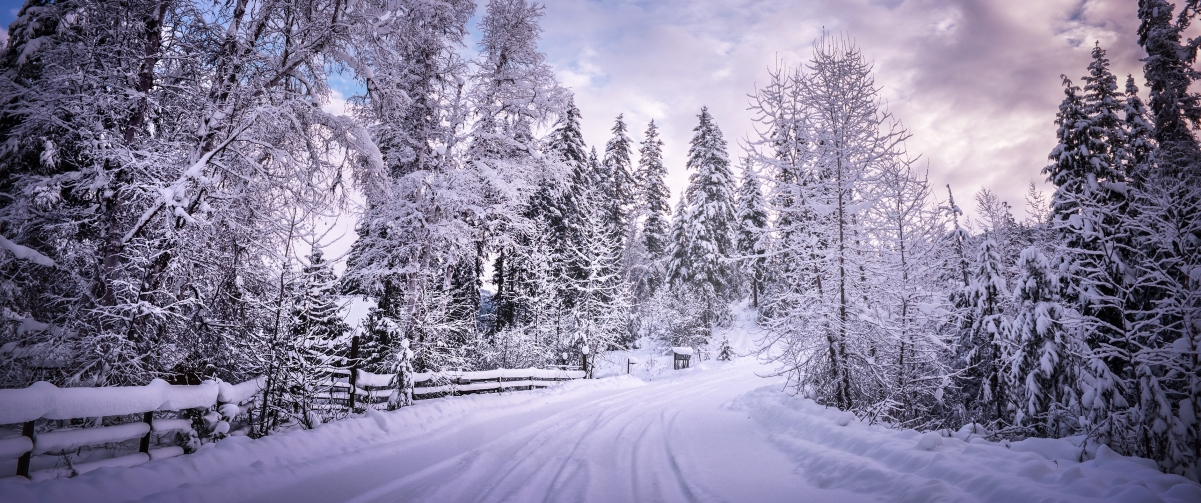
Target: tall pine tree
point(752, 232)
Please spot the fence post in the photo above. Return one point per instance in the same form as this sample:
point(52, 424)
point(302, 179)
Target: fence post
point(354, 369)
point(23, 461)
point(144, 446)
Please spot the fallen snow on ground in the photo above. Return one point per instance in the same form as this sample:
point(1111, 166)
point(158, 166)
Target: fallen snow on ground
point(837, 451)
point(717, 432)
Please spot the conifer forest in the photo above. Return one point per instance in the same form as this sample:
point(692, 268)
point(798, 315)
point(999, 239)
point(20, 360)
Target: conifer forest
point(172, 174)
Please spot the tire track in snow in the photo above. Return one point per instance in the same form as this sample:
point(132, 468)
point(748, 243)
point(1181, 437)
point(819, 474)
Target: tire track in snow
point(557, 459)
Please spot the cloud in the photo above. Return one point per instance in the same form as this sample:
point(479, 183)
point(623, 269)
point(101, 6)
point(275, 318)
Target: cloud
point(977, 81)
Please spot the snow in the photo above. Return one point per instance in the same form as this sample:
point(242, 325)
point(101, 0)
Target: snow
point(238, 393)
point(682, 351)
point(65, 471)
point(52, 402)
point(65, 439)
point(161, 425)
point(45, 400)
point(369, 379)
point(715, 432)
point(483, 375)
point(12, 447)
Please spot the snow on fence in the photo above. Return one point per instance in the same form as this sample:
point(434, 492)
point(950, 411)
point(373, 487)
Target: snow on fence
point(373, 389)
point(223, 401)
point(43, 400)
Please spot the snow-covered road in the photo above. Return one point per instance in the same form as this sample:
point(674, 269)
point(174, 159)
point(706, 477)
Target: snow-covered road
point(667, 441)
point(711, 434)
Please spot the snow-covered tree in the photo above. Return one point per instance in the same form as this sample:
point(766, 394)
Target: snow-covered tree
point(752, 232)
point(699, 265)
point(724, 352)
point(650, 218)
point(906, 345)
point(150, 158)
point(1167, 68)
point(601, 309)
point(1044, 357)
point(982, 343)
point(702, 248)
point(654, 192)
point(318, 345)
point(817, 333)
point(402, 381)
point(622, 187)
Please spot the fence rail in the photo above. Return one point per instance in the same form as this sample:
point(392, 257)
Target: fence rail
point(42, 401)
point(225, 402)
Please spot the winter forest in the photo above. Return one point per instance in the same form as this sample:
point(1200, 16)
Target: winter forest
point(170, 173)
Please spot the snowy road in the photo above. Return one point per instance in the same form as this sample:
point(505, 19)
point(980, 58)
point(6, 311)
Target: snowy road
point(713, 434)
point(668, 441)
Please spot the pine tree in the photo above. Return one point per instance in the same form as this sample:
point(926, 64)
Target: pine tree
point(1045, 357)
point(709, 218)
point(317, 337)
point(402, 381)
point(752, 231)
point(655, 194)
point(1169, 74)
point(622, 187)
point(982, 344)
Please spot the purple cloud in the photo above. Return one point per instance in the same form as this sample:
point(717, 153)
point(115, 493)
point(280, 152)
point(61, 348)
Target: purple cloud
point(977, 81)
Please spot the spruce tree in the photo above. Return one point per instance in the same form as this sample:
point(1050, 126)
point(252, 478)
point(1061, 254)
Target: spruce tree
point(1169, 74)
point(709, 217)
point(983, 341)
point(655, 194)
point(402, 380)
point(1046, 358)
point(752, 231)
point(622, 187)
point(555, 207)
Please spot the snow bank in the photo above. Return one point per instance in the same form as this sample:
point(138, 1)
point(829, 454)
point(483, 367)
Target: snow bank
point(44, 400)
point(844, 453)
point(64, 471)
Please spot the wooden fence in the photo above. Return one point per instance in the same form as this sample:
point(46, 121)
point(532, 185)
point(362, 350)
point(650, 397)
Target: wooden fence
point(374, 389)
point(158, 404)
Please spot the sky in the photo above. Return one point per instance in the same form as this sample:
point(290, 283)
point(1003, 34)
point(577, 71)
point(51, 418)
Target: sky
point(977, 82)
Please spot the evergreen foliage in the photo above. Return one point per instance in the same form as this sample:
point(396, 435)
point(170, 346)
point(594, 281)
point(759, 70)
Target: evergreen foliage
point(752, 232)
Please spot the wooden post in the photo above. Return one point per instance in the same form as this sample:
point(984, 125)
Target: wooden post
point(23, 461)
point(354, 369)
point(144, 446)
